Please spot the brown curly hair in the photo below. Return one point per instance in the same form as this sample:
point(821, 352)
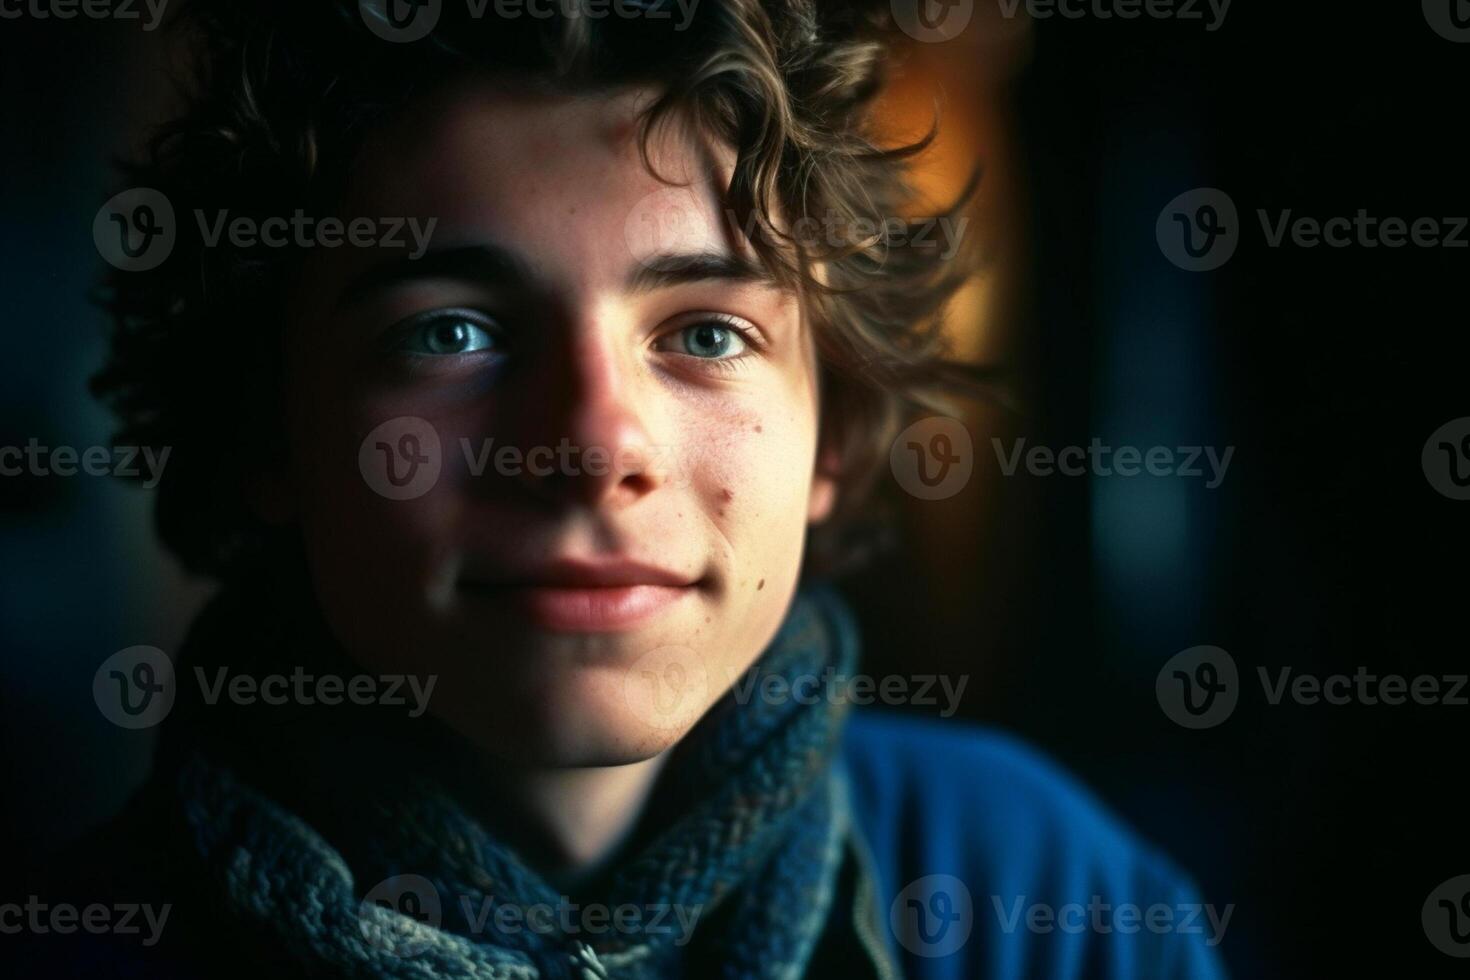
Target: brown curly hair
point(281, 94)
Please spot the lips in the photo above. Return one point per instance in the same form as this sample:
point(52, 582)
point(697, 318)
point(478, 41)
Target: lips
point(570, 595)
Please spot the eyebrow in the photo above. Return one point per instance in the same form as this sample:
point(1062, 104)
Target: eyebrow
point(495, 265)
point(490, 264)
point(667, 269)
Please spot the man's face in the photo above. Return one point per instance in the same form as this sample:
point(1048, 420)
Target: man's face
point(622, 414)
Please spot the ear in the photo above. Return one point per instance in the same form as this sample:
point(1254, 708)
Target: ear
point(823, 495)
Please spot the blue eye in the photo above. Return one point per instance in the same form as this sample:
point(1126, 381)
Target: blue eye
point(711, 340)
point(450, 332)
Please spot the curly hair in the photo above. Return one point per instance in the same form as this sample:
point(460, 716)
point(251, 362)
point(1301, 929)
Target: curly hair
point(280, 95)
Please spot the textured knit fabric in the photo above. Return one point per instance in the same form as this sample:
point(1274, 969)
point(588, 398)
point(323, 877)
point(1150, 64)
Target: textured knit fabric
point(752, 861)
point(928, 798)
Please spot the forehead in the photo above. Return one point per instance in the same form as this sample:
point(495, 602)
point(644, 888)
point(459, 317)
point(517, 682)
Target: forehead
point(559, 176)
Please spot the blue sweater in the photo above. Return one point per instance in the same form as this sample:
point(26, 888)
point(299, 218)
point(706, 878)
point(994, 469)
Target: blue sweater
point(990, 862)
point(977, 859)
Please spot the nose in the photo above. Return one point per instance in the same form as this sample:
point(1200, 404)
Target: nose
point(585, 412)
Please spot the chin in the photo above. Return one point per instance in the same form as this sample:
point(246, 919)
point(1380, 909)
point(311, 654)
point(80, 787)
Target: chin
point(579, 716)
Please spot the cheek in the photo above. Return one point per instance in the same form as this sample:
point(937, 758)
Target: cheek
point(376, 480)
point(751, 470)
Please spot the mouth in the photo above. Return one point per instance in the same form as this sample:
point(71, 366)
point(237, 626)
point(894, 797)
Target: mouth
point(578, 596)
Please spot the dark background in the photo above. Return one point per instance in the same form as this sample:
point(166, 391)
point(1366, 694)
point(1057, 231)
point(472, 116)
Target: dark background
point(1324, 550)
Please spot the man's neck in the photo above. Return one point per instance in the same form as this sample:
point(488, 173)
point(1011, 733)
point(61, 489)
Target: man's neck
point(571, 823)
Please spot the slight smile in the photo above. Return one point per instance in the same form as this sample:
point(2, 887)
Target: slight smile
point(585, 596)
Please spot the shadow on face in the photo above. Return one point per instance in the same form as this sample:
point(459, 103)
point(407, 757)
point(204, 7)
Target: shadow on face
point(562, 455)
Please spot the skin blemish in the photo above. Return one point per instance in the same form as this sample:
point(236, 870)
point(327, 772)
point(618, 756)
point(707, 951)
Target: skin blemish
point(760, 585)
point(726, 495)
point(759, 429)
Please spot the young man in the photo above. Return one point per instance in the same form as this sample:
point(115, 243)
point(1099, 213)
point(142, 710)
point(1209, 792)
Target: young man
point(548, 472)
